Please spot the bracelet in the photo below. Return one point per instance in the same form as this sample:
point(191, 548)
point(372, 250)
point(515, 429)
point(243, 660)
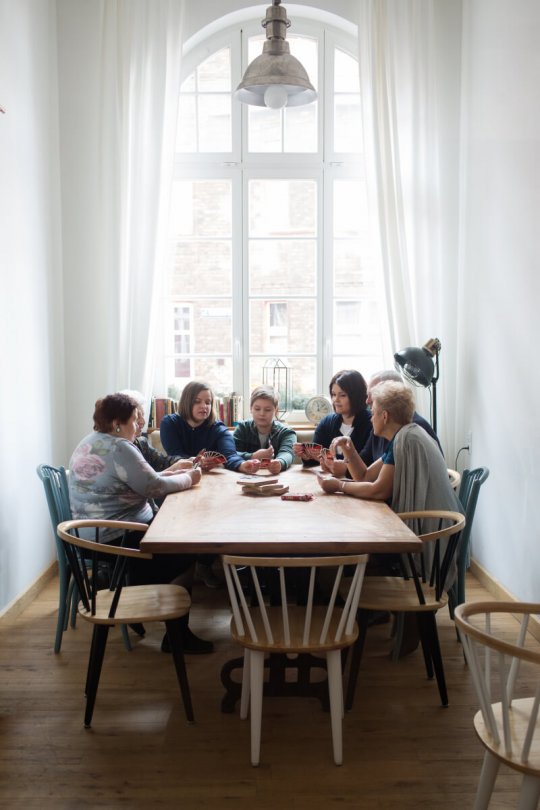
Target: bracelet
point(343, 487)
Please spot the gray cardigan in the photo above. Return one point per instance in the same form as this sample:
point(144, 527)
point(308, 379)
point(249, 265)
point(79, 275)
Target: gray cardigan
point(421, 482)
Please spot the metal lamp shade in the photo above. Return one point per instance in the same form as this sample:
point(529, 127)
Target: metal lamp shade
point(416, 365)
point(275, 67)
point(279, 68)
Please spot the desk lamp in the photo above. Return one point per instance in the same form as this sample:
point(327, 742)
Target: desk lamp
point(419, 367)
point(275, 78)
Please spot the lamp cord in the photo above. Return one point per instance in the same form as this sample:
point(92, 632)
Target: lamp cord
point(465, 447)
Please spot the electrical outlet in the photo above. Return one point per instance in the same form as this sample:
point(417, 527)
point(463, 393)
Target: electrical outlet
point(468, 441)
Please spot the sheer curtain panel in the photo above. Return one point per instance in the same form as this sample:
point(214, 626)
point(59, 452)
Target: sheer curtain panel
point(409, 87)
point(140, 80)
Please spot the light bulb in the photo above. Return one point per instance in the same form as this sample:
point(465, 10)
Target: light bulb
point(275, 96)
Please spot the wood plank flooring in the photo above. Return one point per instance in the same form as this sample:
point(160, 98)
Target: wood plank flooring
point(401, 748)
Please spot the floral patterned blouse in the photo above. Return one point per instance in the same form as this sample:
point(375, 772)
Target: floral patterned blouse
point(109, 479)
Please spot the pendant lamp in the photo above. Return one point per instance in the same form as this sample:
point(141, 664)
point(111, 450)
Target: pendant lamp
point(421, 367)
point(275, 78)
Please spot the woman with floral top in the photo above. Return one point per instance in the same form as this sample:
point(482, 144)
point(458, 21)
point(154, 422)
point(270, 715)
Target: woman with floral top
point(110, 480)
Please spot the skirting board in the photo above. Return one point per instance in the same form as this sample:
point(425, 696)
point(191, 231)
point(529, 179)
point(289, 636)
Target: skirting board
point(22, 601)
point(499, 592)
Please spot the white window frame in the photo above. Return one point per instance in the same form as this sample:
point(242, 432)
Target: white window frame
point(324, 166)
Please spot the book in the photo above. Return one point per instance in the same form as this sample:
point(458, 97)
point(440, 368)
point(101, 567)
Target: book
point(161, 406)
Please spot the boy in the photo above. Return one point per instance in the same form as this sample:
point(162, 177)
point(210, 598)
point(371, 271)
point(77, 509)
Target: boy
point(263, 437)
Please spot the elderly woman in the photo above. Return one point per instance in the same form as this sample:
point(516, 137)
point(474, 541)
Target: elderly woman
point(159, 462)
point(412, 474)
point(110, 480)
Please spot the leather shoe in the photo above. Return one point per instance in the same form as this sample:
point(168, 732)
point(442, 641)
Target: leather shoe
point(138, 628)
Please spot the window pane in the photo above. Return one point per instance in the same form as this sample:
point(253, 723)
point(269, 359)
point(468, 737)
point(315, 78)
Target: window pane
point(182, 368)
point(216, 371)
point(282, 267)
point(204, 112)
point(201, 208)
point(215, 132)
point(301, 128)
point(302, 376)
point(350, 208)
point(182, 344)
point(182, 319)
point(356, 327)
point(211, 328)
point(347, 123)
point(264, 129)
point(346, 76)
point(297, 335)
point(196, 260)
point(282, 208)
point(214, 74)
point(354, 270)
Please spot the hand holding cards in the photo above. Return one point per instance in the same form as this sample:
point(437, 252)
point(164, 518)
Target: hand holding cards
point(314, 451)
point(208, 459)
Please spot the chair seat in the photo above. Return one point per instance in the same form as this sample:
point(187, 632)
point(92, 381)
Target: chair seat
point(296, 626)
point(395, 593)
point(519, 718)
point(140, 603)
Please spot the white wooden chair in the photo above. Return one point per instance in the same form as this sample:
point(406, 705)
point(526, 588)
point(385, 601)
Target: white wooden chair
point(503, 670)
point(289, 628)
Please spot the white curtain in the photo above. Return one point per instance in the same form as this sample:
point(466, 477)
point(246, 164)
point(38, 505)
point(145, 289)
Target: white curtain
point(139, 84)
point(409, 57)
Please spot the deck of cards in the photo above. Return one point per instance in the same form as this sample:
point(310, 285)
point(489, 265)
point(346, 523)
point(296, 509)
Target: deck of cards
point(255, 485)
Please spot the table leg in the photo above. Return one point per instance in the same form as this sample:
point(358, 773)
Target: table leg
point(277, 683)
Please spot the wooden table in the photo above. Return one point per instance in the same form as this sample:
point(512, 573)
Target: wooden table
point(216, 518)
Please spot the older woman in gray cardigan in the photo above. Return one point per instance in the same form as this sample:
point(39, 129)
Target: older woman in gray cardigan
point(411, 475)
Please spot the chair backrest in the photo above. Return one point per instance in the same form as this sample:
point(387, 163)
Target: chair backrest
point(55, 484)
point(57, 493)
point(80, 551)
point(471, 481)
point(293, 627)
point(434, 526)
point(505, 668)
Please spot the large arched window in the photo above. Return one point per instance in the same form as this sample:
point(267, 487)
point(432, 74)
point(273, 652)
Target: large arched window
point(272, 253)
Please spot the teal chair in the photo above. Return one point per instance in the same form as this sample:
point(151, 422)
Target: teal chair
point(471, 481)
point(55, 484)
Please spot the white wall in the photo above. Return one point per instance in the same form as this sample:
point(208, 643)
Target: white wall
point(500, 387)
point(32, 412)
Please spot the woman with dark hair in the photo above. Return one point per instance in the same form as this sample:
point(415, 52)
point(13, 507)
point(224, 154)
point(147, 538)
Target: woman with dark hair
point(351, 418)
point(110, 480)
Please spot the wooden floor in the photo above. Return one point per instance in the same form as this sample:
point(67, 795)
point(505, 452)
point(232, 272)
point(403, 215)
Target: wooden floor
point(401, 749)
